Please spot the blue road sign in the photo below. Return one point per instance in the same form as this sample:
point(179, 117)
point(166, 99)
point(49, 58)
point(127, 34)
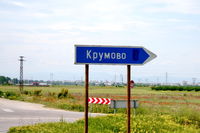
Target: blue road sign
point(86, 54)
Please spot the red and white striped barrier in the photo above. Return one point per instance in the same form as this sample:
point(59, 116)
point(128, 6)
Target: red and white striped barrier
point(99, 100)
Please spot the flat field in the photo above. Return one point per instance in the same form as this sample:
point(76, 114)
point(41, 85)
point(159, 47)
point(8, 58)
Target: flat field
point(143, 94)
point(173, 111)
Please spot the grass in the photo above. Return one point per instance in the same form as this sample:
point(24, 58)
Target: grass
point(116, 124)
point(174, 111)
point(107, 90)
point(75, 100)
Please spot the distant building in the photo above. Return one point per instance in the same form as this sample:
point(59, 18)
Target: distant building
point(184, 83)
point(39, 84)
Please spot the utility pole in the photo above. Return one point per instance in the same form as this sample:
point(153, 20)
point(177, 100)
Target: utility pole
point(166, 78)
point(115, 78)
point(51, 78)
point(194, 81)
point(121, 78)
point(21, 81)
point(157, 81)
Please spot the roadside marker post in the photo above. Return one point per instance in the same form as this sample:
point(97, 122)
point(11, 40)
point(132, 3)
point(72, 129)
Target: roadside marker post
point(111, 55)
point(99, 100)
point(92, 100)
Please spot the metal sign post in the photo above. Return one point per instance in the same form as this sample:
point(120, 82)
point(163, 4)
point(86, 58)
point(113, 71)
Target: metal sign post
point(86, 96)
point(128, 99)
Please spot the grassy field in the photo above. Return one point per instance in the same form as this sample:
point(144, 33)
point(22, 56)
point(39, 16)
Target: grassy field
point(107, 90)
point(166, 106)
point(144, 94)
point(116, 124)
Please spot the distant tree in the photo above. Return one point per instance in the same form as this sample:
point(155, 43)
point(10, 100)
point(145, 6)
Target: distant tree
point(15, 81)
point(4, 80)
point(92, 84)
point(26, 81)
point(102, 84)
point(41, 81)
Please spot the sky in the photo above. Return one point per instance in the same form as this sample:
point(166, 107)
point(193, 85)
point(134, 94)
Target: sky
point(45, 32)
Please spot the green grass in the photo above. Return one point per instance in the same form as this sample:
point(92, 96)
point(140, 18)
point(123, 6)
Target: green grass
point(159, 111)
point(107, 90)
point(75, 101)
point(117, 124)
point(176, 88)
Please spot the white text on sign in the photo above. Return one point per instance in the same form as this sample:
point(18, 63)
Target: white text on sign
point(104, 55)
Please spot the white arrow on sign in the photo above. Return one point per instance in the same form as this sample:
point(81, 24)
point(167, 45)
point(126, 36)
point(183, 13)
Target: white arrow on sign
point(151, 55)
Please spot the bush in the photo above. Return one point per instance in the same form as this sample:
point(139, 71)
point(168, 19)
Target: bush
point(180, 88)
point(9, 94)
point(63, 93)
point(51, 94)
point(12, 97)
point(176, 88)
point(1, 94)
point(197, 88)
point(26, 92)
point(37, 92)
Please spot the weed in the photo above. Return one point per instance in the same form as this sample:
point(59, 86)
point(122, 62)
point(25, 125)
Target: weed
point(115, 124)
point(63, 93)
point(27, 92)
point(37, 92)
point(1, 94)
point(51, 94)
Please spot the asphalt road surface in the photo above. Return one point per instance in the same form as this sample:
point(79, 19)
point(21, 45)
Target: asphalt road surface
point(17, 113)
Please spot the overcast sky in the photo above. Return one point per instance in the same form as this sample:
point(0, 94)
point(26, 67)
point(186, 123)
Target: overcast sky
point(45, 31)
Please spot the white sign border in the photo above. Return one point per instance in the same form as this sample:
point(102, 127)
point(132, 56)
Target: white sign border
point(151, 54)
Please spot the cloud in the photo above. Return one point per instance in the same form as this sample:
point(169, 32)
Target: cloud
point(105, 6)
point(102, 27)
point(175, 20)
point(101, 16)
point(17, 3)
point(174, 6)
point(14, 3)
point(188, 28)
point(45, 31)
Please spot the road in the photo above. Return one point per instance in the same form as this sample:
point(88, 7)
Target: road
point(17, 113)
